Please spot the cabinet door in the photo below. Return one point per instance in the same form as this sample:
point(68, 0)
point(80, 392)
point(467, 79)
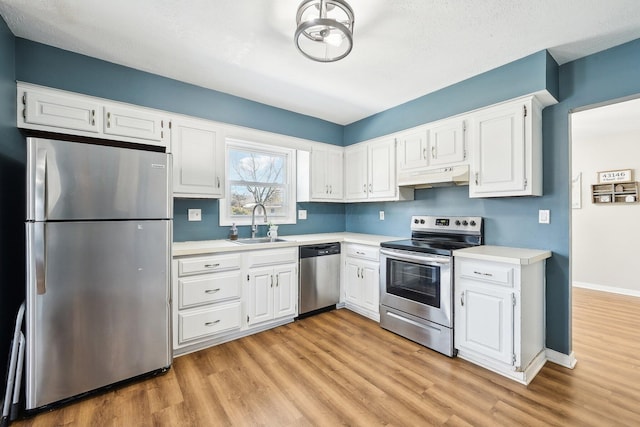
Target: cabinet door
point(412, 150)
point(319, 186)
point(485, 320)
point(498, 151)
point(260, 295)
point(353, 282)
point(355, 164)
point(285, 291)
point(62, 111)
point(198, 159)
point(334, 173)
point(133, 123)
point(370, 298)
point(382, 169)
point(447, 143)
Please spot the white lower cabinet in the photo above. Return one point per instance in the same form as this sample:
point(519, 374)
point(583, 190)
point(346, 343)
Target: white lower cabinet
point(206, 298)
point(223, 296)
point(361, 276)
point(499, 311)
point(272, 285)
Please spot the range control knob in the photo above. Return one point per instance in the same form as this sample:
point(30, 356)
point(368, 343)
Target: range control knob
point(472, 223)
point(465, 223)
point(416, 221)
point(457, 222)
point(422, 221)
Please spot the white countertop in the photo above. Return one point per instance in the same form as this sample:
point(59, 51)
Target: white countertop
point(212, 246)
point(503, 254)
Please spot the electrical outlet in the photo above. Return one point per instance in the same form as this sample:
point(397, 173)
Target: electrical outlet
point(544, 216)
point(381, 215)
point(302, 214)
point(195, 215)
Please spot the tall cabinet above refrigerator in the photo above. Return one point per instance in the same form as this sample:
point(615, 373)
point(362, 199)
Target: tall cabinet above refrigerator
point(98, 227)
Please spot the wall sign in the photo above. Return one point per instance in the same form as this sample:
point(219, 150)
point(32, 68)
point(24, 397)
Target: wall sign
point(614, 176)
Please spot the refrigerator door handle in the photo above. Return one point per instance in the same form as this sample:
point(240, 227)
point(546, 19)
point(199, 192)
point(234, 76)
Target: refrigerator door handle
point(41, 185)
point(39, 249)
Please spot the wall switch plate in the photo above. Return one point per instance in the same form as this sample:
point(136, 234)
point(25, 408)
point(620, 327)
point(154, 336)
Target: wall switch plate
point(302, 214)
point(544, 216)
point(195, 215)
point(381, 215)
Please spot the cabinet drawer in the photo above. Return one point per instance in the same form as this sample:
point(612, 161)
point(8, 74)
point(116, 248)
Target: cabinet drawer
point(495, 273)
point(209, 264)
point(272, 257)
point(209, 288)
point(365, 252)
point(195, 324)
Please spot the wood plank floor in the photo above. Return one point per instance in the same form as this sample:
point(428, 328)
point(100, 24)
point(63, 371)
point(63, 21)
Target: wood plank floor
point(339, 368)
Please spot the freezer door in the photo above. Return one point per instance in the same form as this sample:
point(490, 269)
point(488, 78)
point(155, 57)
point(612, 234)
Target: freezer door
point(97, 305)
point(78, 181)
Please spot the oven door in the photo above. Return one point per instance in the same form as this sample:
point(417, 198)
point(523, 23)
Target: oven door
point(418, 284)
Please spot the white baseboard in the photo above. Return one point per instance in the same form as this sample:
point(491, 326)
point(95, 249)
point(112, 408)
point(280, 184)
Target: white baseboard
point(566, 360)
point(611, 289)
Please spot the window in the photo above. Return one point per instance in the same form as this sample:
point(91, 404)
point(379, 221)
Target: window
point(258, 173)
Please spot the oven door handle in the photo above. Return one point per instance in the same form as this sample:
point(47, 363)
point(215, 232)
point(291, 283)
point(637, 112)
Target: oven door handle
point(422, 258)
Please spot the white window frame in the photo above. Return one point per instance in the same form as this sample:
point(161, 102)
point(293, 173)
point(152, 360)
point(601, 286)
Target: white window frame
point(290, 155)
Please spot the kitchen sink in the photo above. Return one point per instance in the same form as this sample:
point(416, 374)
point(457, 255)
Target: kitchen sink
point(249, 241)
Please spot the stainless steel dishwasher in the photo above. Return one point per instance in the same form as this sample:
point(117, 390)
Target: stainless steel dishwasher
point(319, 277)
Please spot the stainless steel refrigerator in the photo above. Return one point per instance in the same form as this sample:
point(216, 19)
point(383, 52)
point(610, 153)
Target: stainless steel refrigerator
point(99, 231)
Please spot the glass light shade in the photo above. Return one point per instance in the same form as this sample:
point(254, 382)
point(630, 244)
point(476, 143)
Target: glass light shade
point(324, 30)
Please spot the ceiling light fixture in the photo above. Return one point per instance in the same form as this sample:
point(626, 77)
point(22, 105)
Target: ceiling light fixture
point(324, 30)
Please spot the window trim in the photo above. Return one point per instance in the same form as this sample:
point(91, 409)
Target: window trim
point(290, 182)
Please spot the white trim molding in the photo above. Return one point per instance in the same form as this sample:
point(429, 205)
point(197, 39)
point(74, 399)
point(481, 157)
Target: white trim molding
point(610, 289)
point(566, 360)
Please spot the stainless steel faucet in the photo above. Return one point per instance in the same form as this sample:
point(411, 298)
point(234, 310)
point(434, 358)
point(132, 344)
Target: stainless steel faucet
point(254, 227)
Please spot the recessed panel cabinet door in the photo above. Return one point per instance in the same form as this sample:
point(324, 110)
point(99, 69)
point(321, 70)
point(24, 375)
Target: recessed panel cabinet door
point(260, 298)
point(370, 288)
point(355, 165)
point(198, 159)
point(382, 169)
point(447, 143)
point(285, 291)
point(499, 151)
point(484, 320)
point(413, 150)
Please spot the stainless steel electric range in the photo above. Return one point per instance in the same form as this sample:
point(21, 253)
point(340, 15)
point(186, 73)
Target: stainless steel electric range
point(416, 278)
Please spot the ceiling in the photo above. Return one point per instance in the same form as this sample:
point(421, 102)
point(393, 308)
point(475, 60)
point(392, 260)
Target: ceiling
point(403, 49)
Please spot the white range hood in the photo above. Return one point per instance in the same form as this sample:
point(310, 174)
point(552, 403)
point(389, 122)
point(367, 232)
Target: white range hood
point(441, 177)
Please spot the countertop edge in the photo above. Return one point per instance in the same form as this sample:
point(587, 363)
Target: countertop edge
point(181, 249)
point(510, 255)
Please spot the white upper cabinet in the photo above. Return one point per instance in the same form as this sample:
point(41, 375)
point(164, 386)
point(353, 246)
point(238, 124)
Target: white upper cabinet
point(382, 169)
point(53, 110)
point(370, 172)
point(134, 123)
point(506, 144)
point(60, 111)
point(326, 174)
point(447, 145)
point(413, 150)
point(198, 159)
point(355, 172)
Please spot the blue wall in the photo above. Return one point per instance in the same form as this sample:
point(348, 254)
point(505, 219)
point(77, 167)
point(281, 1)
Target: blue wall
point(12, 199)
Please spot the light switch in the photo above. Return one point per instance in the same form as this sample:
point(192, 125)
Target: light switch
point(544, 216)
point(302, 214)
point(195, 215)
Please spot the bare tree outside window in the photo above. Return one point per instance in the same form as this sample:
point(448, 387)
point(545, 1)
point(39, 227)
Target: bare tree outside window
point(257, 177)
